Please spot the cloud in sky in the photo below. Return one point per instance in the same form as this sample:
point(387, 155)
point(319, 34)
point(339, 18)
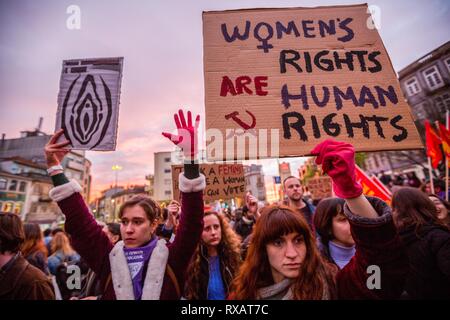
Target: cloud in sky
point(161, 42)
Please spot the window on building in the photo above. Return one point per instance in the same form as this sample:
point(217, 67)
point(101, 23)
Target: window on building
point(167, 181)
point(412, 86)
point(3, 183)
point(167, 159)
point(442, 103)
point(12, 185)
point(433, 78)
point(168, 193)
point(22, 186)
point(166, 170)
point(447, 64)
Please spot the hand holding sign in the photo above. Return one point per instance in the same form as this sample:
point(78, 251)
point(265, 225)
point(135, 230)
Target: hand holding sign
point(88, 102)
point(55, 152)
point(252, 203)
point(187, 137)
point(338, 161)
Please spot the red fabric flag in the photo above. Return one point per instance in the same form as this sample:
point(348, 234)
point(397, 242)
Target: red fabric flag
point(433, 145)
point(370, 187)
point(445, 138)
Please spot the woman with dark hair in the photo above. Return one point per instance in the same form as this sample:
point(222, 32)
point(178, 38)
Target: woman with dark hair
point(112, 230)
point(335, 238)
point(442, 209)
point(427, 240)
point(283, 261)
point(19, 280)
point(215, 262)
point(269, 273)
point(34, 249)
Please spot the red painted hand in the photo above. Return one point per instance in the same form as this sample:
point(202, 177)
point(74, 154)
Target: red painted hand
point(187, 137)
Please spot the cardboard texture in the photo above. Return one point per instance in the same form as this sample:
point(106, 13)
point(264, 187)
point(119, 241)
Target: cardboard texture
point(310, 73)
point(223, 181)
point(88, 102)
point(320, 187)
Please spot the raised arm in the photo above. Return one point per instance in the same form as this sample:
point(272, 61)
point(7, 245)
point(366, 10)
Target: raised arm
point(378, 246)
point(191, 184)
point(252, 204)
point(87, 236)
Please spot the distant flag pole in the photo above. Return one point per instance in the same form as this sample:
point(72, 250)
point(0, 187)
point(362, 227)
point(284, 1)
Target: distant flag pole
point(434, 153)
point(431, 175)
point(445, 138)
point(446, 159)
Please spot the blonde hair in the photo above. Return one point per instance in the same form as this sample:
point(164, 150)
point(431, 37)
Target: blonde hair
point(60, 242)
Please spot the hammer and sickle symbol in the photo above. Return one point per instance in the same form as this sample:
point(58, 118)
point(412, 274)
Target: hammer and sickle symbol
point(245, 126)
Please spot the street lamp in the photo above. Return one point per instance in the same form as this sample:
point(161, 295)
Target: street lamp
point(116, 169)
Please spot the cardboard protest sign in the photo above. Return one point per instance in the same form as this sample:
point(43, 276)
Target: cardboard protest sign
point(298, 76)
point(320, 187)
point(223, 181)
point(88, 102)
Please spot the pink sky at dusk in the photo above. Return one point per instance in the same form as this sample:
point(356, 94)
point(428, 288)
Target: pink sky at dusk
point(162, 46)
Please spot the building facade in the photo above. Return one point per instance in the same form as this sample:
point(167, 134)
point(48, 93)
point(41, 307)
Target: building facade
point(163, 176)
point(425, 84)
point(150, 186)
point(106, 208)
point(30, 146)
point(254, 181)
point(24, 190)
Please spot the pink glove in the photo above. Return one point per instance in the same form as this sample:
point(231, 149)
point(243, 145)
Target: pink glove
point(338, 161)
point(187, 138)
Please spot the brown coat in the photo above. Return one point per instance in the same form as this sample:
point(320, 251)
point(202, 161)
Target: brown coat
point(22, 281)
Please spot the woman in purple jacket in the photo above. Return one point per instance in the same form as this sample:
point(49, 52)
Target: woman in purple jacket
point(141, 266)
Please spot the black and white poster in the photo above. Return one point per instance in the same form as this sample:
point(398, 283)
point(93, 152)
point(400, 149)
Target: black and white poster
point(88, 102)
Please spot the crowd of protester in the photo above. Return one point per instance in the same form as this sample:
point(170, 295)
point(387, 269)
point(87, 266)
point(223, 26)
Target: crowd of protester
point(287, 250)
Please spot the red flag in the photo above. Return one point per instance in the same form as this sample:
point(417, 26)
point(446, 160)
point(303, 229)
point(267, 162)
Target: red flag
point(433, 145)
point(445, 138)
point(370, 187)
